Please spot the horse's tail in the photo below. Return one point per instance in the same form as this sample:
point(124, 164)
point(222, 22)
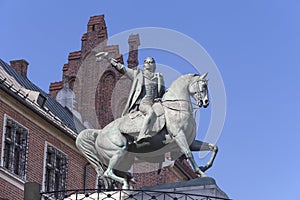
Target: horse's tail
point(85, 143)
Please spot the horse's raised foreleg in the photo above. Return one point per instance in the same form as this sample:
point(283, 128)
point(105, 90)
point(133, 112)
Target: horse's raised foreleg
point(181, 141)
point(204, 146)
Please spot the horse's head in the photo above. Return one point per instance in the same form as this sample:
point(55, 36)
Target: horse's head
point(199, 90)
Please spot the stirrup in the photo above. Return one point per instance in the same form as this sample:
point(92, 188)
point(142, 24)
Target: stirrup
point(141, 138)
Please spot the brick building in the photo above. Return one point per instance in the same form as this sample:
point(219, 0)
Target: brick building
point(37, 138)
point(38, 130)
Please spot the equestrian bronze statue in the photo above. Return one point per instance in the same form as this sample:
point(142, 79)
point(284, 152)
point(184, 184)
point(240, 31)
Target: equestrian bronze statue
point(171, 128)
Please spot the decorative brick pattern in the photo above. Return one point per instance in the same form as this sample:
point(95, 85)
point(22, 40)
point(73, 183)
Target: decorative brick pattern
point(96, 34)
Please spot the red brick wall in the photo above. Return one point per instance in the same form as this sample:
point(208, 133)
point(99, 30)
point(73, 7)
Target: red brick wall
point(167, 175)
point(35, 162)
point(103, 98)
point(96, 34)
point(9, 191)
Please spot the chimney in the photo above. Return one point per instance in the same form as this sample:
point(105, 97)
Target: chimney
point(20, 66)
point(96, 34)
point(134, 43)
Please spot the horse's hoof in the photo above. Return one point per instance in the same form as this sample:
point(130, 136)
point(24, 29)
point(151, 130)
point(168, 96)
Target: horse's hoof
point(125, 187)
point(133, 180)
point(203, 168)
point(200, 173)
point(106, 174)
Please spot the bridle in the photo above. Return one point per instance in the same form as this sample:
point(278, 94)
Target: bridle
point(198, 96)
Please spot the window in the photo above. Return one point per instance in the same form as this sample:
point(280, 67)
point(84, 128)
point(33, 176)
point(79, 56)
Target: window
point(55, 171)
point(15, 148)
point(104, 91)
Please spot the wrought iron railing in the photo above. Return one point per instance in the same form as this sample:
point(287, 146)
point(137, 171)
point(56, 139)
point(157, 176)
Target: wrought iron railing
point(120, 194)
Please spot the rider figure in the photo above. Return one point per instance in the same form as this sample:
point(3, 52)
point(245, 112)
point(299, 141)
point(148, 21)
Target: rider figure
point(147, 86)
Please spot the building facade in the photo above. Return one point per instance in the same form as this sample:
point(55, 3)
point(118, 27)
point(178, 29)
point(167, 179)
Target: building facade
point(36, 145)
point(38, 130)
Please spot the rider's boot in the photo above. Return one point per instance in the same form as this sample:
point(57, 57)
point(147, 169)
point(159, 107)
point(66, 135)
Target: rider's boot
point(144, 133)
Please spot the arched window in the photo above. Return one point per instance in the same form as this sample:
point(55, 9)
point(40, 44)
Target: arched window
point(104, 91)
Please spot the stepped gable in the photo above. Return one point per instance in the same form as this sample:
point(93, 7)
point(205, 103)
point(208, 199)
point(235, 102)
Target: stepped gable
point(96, 35)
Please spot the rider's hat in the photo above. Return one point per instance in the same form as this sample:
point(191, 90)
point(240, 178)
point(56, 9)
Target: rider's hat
point(149, 60)
point(151, 63)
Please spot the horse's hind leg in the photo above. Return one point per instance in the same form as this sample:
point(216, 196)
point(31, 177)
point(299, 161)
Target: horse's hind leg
point(181, 141)
point(85, 143)
point(204, 146)
point(114, 160)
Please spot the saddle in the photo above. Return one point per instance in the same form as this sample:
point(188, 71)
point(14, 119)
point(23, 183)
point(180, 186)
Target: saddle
point(132, 122)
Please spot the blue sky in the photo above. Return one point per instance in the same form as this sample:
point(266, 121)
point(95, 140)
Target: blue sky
point(255, 44)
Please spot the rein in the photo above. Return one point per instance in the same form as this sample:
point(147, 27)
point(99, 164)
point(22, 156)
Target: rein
point(195, 106)
point(175, 100)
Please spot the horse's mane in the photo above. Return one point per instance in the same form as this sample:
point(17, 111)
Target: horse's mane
point(183, 78)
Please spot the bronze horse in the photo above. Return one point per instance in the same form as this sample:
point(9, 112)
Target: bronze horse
point(111, 148)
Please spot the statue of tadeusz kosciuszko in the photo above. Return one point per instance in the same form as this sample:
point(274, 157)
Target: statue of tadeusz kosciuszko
point(147, 87)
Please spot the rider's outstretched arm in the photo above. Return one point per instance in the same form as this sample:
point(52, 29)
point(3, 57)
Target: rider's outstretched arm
point(130, 73)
